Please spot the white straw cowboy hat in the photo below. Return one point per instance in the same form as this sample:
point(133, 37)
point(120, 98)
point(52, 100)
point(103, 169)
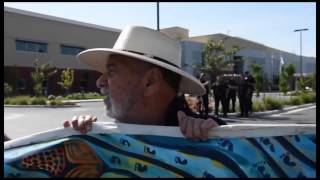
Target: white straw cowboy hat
point(146, 45)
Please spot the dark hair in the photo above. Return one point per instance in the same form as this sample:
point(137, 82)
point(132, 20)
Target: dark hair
point(179, 102)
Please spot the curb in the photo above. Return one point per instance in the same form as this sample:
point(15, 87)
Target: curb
point(82, 101)
point(264, 113)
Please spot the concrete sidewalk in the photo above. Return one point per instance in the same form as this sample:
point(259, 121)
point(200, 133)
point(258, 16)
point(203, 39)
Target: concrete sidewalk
point(83, 100)
point(265, 113)
point(255, 114)
point(56, 106)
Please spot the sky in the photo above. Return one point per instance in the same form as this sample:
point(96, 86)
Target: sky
point(271, 24)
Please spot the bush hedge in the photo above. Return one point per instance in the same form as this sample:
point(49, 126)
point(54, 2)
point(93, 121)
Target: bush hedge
point(89, 95)
point(296, 100)
point(272, 103)
point(38, 101)
point(258, 106)
point(27, 100)
point(308, 97)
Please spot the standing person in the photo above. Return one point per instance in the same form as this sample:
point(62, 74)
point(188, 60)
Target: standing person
point(251, 85)
point(205, 97)
point(224, 95)
point(242, 96)
point(232, 94)
point(220, 90)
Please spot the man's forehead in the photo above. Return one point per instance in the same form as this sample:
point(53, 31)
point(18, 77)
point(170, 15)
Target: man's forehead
point(116, 60)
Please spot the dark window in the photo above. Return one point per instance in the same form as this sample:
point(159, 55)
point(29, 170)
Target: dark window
point(70, 50)
point(31, 46)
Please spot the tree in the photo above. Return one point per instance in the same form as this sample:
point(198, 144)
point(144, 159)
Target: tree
point(314, 82)
point(283, 87)
point(257, 75)
point(286, 78)
point(7, 89)
point(214, 54)
point(12, 77)
point(67, 77)
point(42, 72)
point(290, 69)
point(302, 84)
point(283, 80)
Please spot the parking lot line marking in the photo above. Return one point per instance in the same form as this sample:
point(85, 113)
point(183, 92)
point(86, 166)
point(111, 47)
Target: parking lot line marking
point(13, 116)
point(293, 111)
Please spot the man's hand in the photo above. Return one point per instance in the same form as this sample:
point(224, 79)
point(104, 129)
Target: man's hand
point(81, 123)
point(195, 128)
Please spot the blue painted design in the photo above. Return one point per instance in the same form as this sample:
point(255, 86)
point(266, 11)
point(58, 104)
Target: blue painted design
point(119, 155)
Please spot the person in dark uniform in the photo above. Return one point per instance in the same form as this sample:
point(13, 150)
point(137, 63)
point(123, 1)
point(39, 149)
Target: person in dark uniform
point(251, 84)
point(205, 97)
point(232, 94)
point(220, 91)
point(243, 98)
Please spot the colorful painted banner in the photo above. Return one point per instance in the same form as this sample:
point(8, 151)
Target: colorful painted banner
point(119, 153)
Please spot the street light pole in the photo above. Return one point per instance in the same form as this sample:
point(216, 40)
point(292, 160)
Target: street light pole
point(158, 16)
point(300, 30)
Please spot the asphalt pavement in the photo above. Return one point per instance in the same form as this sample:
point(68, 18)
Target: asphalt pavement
point(24, 121)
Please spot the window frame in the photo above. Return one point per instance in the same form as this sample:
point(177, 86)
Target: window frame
point(30, 46)
point(69, 50)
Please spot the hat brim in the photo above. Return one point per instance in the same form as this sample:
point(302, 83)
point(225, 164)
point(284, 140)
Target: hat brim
point(97, 58)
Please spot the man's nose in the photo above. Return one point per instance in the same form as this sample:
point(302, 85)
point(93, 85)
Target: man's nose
point(102, 81)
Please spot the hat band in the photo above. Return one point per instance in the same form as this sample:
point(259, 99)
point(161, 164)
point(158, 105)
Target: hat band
point(154, 57)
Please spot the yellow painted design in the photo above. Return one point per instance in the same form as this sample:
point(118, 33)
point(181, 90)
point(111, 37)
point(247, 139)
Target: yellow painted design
point(217, 164)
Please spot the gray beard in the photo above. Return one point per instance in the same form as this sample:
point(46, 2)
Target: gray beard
point(122, 111)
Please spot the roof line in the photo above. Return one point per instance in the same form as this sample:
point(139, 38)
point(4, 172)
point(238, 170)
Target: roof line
point(54, 18)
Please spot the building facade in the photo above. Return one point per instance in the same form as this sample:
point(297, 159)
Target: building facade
point(29, 36)
point(250, 52)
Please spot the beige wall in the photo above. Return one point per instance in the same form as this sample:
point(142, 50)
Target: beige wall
point(176, 32)
point(55, 33)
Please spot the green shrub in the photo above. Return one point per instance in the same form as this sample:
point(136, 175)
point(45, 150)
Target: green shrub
point(305, 98)
point(21, 100)
point(59, 98)
point(258, 106)
point(296, 101)
point(296, 93)
point(7, 89)
point(286, 102)
point(308, 97)
point(55, 102)
point(93, 95)
point(313, 97)
point(271, 103)
point(7, 100)
point(89, 95)
point(51, 97)
point(38, 101)
point(75, 96)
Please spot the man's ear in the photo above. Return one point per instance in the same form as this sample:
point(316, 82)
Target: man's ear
point(152, 81)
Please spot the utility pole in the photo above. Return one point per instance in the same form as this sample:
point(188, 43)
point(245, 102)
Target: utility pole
point(300, 30)
point(158, 16)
